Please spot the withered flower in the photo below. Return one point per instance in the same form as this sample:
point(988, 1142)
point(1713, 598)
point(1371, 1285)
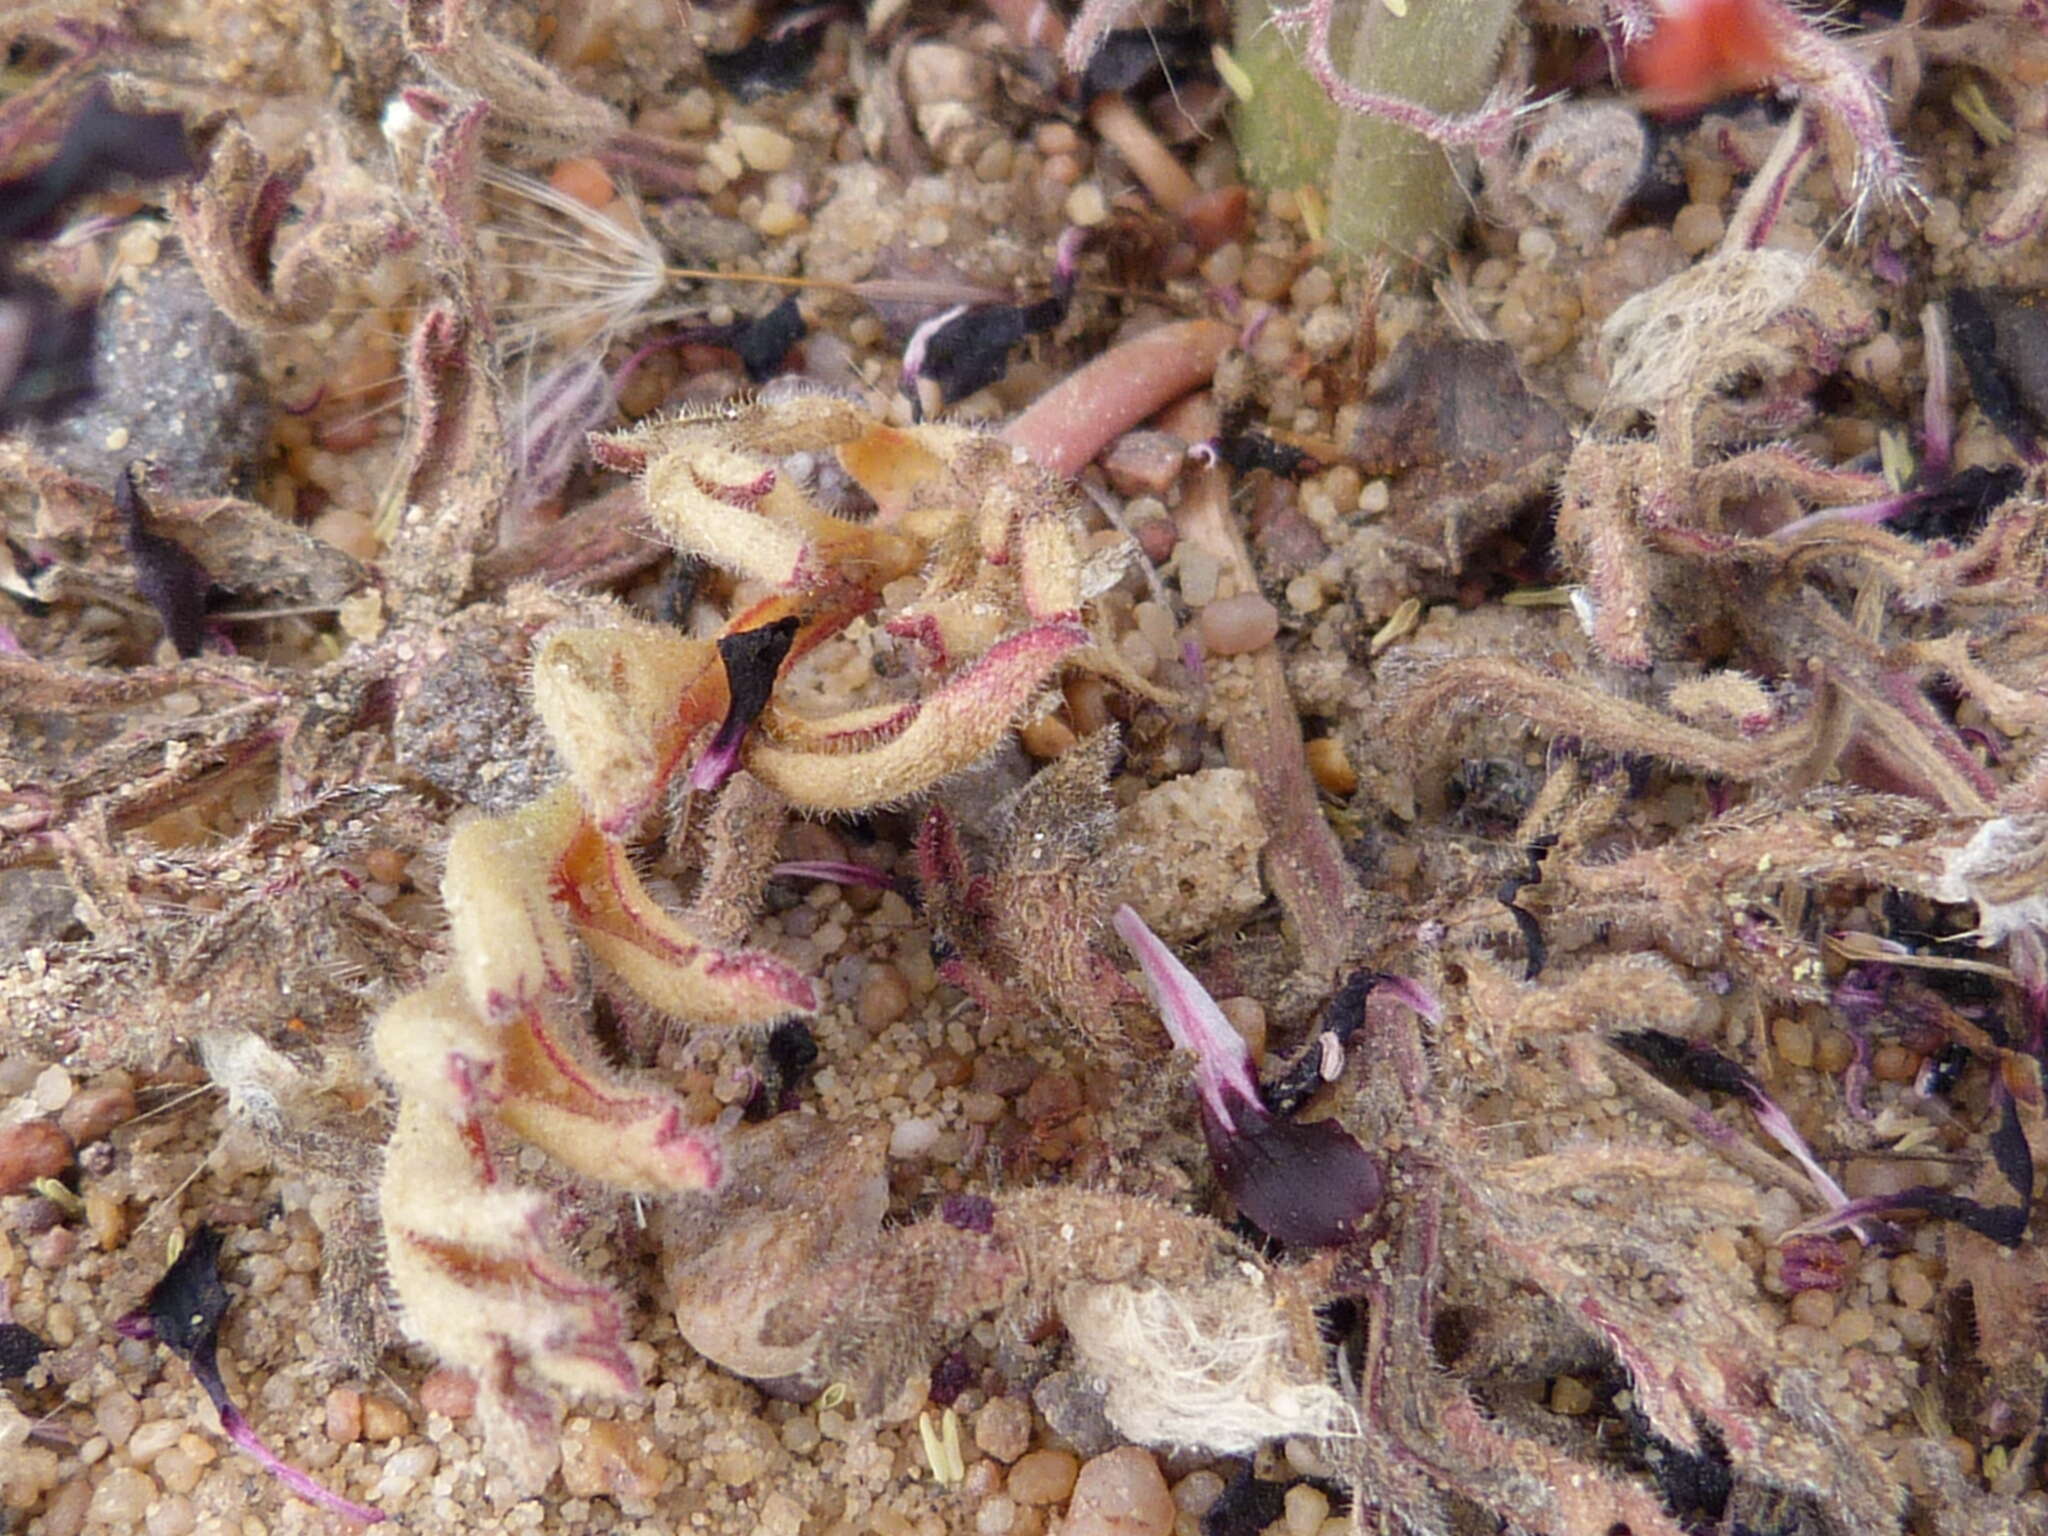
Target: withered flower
point(1298, 1182)
point(183, 1313)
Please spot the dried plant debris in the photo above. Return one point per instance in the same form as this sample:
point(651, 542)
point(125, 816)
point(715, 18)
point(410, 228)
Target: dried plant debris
point(45, 346)
point(778, 961)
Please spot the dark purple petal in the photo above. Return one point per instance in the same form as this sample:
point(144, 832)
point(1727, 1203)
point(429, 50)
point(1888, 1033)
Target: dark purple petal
point(1813, 1264)
point(752, 659)
point(950, 1377)
point(1307, 1183)
point(764, 341)
point(777, 60)
point(102, 142)
point(185, 1307)
point(166, 573)
point(183, 1313)
point(20, 1348)
point(1131, 57)
point(969, 1213)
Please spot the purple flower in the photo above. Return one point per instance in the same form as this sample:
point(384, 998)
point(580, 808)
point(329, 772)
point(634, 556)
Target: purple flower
point(183, 1313)
point(1307, 1183)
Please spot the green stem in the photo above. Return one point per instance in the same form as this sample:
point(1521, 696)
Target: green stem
point(1387, 189)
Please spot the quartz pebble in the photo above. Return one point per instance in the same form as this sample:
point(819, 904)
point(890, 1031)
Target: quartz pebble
point(912, 1137)
point(451, 1393)
point(32, 1150)
point(383, 1419)
point(90, 1114)
point(1120, 1493)
point(1233, 625)
point(1003, 1428)
point(613, 1460)
point(762, 148)
point(122, 1498)
point(1043, 1477)
point(344, 1415)
point(884, 998)
point(1307, 1507)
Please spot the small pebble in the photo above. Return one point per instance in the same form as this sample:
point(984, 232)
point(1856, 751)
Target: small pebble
point(614, 1460)
point(1233, 625)
point(912, 1137)
point(383, 1419)
point(107, 1218)
point(1086, 205)
point(1144, 463)
point(1047, 737)
point(1043, 1477)
point(884, 998)
point(344, 1421)
point(1121, 1493)
point(1910, 1282)
point(116, 1416)
point(584, 179)
point(1307, 1507)
point(762, 148)
point(1569, 1395)
point(1265, 276)
point(151, 1440)
point(1794, 1040)
point(449, 1392)
point(34, 1149)
point(177, 1469)
point(1053, 1097)
point(1813, 1309)
point(53, 1090)
point(94, 1112)
point(1833, 1050)
point(66, 1512)
point(1003, 1428)
point(122, 1498)
point(1331, 766)
point(1697, 228)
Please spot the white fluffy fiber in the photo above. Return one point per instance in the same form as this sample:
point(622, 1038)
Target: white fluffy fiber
point(1209, 1370)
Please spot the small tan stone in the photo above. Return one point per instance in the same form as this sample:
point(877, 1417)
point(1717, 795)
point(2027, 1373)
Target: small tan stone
point(449, 1392)
point(90, 1114)
point(610, 1459)
point(383, 1419)
point(1120, 1493)
point(1043, 1477)
point(762, 148)
point(1003, 1428)
point(344, 1415)
point(34, 1149)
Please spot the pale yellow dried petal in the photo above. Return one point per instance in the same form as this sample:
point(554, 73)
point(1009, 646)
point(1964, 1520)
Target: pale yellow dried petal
point(669, 966)
point(956, 727)
point(472, 1277)
point(593, 1122)
point(611, 700)
point(510, 946)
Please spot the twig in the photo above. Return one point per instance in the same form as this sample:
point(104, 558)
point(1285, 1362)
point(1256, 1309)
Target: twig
point(1262, 736)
